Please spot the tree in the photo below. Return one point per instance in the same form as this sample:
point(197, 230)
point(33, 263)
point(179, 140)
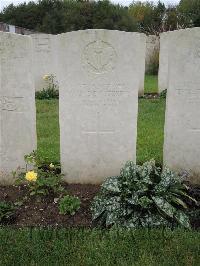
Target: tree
point(189, 11)
point(56, 16)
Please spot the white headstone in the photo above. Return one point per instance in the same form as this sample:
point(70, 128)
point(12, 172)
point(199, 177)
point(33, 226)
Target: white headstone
point(17, 103)
point(11, 29)
point(152, 48)
point(182, 125)
point(44, 58)
point(99, 76)
point(163, 62)
point(142, 51)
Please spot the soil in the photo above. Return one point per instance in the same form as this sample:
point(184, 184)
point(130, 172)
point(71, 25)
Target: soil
point(150, 96)
point(45, 212)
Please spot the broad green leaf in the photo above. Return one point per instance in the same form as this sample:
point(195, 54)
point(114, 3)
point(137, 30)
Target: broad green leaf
point(180, 192)
point(164, 206)
point(182, 219)
point(179, 202)
point(111, 184)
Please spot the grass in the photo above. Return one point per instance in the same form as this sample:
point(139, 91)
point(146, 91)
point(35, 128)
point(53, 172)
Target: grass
point(150, 130)
point(94, 247)
point(48, 130)
point(151, 84)
point(150, 138)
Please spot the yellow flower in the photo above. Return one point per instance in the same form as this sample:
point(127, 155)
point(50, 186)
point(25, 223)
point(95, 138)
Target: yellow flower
point(45, 77)
point(31, 176)
point(51, 165)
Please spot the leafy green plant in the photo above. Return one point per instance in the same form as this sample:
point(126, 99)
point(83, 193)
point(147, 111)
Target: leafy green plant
point(47, 94)
point(51, 91)
point(69, 205)
point(163, 94)
point(40, 180)
point(142, 196)
point(7, 212)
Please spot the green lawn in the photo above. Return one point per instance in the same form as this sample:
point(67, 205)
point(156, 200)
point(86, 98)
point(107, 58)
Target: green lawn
point(80, 247)
point(150, 130)
point(151, 84)
point(48, 130)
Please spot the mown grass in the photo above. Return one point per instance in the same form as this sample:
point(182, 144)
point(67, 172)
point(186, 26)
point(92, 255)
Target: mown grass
point(94, 247)
point(150, 130)
point(151, 116)
point(48, 130)
point(151, 84)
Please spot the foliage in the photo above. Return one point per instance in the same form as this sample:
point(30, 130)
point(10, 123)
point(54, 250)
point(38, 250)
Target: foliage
point(189, 12)
point(48, 94)
point(51, 90)
point(7, 211)
point(69, 205)
point(142, 196)
point(56, 16)
point(40, 181)
point(163, 94)
point(149, 16)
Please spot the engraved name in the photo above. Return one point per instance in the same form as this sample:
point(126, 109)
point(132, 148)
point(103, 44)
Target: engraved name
point(101, 94)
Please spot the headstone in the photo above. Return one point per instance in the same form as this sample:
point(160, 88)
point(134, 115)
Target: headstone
point(17, 103)
point(142, 51)
point(152, 48)
point(11, 29)
point(99, 77)
point(44, 58)
point(182, 125)
point(163, 62)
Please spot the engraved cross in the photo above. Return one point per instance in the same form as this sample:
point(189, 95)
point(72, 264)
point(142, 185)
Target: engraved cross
point(98, 133)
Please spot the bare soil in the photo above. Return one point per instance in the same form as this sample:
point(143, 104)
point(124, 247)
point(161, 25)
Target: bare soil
point(45, 212)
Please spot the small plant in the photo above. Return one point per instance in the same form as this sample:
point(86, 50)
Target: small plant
point(7, 212)
point(69, 205)
point(40, 181)
point(142, 196)
point(51, 91)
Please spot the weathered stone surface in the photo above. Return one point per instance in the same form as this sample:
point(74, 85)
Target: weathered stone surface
point(163, 62)
point(182, 125)
point(142, 51)
point(44, 58)
point(99, 75)
point(17, 103)
point(152, 48)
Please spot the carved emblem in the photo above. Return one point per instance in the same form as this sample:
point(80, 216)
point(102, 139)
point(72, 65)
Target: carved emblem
point(99, 57)
point(10, 103)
